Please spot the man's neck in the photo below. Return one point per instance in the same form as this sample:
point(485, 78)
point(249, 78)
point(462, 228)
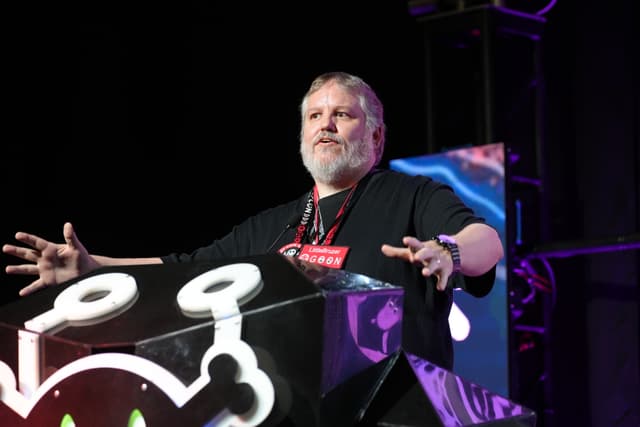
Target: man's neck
point(326, 189)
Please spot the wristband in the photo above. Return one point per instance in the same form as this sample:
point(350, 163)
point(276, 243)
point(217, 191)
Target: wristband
point(451, 246)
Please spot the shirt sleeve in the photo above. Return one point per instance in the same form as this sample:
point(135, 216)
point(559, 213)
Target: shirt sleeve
point(440, 210)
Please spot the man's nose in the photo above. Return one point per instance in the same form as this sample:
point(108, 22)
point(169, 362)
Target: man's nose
point(328, 123)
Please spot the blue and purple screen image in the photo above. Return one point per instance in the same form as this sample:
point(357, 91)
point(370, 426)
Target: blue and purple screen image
point(479, 325)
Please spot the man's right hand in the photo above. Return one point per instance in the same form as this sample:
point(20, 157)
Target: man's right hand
point(53, 263)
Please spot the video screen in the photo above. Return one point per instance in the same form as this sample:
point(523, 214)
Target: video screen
point(479, 326)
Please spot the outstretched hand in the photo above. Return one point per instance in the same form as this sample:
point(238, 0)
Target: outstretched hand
point(53, 263)
point(430, 256)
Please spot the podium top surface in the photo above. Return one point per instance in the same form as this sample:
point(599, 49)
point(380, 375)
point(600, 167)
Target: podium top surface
point(155, 311)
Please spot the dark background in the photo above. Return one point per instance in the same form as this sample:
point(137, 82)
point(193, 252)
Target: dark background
point(156, 129)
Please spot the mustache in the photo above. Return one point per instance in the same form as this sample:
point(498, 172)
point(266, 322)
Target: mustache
point(328, 135)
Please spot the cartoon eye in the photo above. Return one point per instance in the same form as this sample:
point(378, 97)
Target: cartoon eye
point(136, 419)
point(67, 421)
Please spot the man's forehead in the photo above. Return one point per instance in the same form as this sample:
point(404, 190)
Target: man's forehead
point(332, 95)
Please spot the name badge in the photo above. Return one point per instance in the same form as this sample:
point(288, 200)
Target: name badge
point(328, 256)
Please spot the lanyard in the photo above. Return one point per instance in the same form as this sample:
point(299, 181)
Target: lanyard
point(318, 223)
point(302, 227)
point(311, 207)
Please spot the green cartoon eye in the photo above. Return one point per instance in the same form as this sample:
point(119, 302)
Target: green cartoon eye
point(67, 421)
point(136, 419)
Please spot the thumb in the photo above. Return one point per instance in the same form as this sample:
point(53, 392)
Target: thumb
point(70, 236)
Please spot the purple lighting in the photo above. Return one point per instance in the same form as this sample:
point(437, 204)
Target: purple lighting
point(569, 249)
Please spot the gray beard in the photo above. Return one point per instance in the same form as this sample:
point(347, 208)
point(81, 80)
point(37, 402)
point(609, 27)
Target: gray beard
point(355, 158)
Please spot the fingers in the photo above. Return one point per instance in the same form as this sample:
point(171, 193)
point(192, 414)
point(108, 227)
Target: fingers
point(10, 249)
point(442, 278)
point(428, 257)
point(20, 252)
point(407, 253)
point(31, 240)
point(412, 243)
point(436, 269)
point(441, 285)
point(435, 263)
point(395, 252)
point(34, 286)
point(432, 266)
point(24, 269)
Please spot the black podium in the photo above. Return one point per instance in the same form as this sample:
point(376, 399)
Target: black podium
point(260, 340)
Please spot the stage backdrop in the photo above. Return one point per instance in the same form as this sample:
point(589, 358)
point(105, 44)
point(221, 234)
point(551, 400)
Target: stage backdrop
point(477, 176)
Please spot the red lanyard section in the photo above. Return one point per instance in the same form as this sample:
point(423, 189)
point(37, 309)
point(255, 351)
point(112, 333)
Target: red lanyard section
point(336, 222)
point(302, 227)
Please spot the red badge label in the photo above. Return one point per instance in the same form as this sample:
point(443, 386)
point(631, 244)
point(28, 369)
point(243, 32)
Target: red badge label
point(328, 256)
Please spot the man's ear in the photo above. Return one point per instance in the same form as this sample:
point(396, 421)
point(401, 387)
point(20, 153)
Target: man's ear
point(378, 140)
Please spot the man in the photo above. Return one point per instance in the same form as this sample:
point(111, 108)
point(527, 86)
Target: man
point(408, 231)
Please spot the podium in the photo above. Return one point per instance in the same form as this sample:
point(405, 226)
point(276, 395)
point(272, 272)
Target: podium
point(263, 340)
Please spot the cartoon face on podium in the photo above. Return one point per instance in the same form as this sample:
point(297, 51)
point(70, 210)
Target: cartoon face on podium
point(240, 380)
point(125, 389)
